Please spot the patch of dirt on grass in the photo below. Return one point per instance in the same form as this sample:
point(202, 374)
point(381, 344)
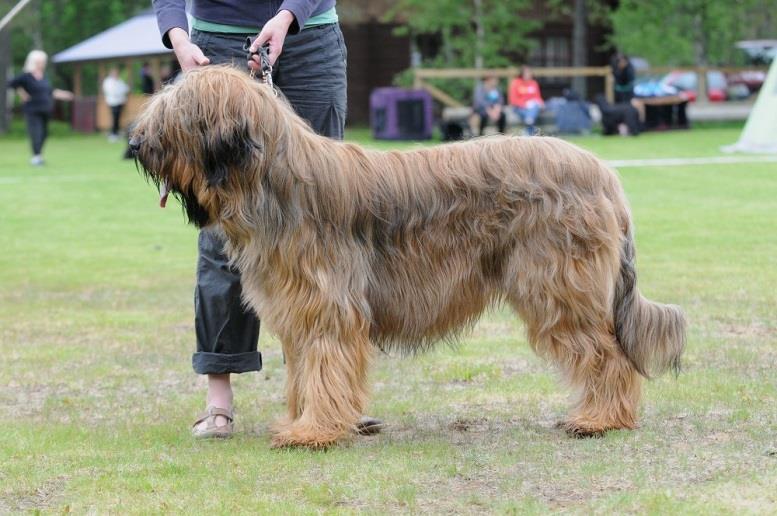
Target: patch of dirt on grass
point(460, 429)
point(749, 330)
point(44, 496)
point(463, 424)
point(685, 450)
point(17, 400)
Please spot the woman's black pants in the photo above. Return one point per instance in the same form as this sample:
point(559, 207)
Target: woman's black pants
point(38, 129)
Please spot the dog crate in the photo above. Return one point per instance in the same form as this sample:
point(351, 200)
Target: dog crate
point(400, 114)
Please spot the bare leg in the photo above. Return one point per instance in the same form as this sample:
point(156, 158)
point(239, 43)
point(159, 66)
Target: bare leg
point(219, 395)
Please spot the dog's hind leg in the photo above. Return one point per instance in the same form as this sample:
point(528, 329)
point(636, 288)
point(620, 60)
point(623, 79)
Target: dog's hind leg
point(567, 308)
point(607, 387)
point(327, 387)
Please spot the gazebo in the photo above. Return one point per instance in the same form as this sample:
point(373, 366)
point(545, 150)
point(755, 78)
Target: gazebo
point(136, 39)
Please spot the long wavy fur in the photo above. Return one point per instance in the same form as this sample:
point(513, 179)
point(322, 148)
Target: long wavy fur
point(342, 248)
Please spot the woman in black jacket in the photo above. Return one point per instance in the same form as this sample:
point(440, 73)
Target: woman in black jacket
point(38, 96)
point(624, 75)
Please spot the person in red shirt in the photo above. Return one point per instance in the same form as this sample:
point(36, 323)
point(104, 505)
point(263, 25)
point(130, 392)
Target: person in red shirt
point(525, 98)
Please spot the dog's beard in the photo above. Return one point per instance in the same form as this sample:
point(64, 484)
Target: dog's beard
point(195, 212)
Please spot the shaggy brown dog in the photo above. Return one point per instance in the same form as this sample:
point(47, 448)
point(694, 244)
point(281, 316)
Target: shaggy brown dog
point(344, 249)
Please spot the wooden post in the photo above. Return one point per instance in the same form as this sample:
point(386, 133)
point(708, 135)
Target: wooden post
point(100, 107)
point(580, 46)
point(77, 83)
point(156, 71)
point(100, 77)
point(417, 83)
point(130, 72)
point(609, 85)
point(702, 95)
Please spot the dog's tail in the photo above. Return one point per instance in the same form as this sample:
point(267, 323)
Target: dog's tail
point(652, 335)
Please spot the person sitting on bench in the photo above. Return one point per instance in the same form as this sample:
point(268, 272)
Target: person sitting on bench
point(526, 99)
point(488, 105)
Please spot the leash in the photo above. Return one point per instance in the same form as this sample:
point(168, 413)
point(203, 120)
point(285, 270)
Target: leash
point(264, 62)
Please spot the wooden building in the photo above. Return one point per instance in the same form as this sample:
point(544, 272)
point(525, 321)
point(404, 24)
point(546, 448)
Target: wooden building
point(375, 54)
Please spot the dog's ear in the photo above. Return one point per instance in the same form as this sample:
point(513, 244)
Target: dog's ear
point(225, 151)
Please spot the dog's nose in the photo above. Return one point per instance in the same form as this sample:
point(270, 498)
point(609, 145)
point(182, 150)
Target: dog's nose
point(134, 144)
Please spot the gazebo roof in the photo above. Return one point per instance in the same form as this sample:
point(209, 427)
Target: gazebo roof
point(136, 37)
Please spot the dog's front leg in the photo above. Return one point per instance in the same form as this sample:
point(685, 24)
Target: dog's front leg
point(326, 384)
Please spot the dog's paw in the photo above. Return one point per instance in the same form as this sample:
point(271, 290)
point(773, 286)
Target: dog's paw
point(297, 436)
point(580, 430)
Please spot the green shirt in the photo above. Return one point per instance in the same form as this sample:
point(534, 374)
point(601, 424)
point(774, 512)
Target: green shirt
point(325, 18)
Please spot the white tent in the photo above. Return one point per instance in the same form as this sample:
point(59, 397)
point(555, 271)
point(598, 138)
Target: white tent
point(760, 132)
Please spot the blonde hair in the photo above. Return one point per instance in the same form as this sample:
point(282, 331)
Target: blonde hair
point(33, 57)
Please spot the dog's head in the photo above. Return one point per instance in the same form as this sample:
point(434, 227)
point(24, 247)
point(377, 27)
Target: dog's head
point(198, 139)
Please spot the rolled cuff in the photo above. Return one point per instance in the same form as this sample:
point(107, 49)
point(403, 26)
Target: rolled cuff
point(223, 363)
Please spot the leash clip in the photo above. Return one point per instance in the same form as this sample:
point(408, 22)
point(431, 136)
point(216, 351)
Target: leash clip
point(264, 61)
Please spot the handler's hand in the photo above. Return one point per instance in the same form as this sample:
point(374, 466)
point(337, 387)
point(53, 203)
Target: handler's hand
point(274, 33)
point(188, 54)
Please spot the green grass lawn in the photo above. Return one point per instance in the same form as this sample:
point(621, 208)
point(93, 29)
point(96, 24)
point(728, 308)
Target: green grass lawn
point(97, 391)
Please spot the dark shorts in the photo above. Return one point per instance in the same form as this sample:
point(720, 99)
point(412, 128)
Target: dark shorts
point(311, 73)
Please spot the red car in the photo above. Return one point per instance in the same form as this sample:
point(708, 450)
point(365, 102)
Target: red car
point(687, 83)
point(751, 79)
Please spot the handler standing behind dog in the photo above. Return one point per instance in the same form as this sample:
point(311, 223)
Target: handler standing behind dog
point(309, 58)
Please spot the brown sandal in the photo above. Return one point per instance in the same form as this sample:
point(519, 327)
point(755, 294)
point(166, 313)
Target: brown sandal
point(212, 430)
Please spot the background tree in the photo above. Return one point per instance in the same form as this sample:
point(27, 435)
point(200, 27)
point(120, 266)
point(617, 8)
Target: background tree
point(472, 33)
point(479, 33)
point(54, 25)
point(582, 13)
point(690, 32)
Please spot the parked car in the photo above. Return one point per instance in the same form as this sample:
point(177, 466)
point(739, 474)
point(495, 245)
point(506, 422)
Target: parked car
point(687, 82)
point(751, 79)
point(683, 83)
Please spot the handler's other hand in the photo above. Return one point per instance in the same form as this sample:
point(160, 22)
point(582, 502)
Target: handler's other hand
point(188, 54)
point(274, 33)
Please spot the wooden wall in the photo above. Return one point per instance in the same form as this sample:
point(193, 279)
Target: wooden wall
point(132, 108)
point(375, 56)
